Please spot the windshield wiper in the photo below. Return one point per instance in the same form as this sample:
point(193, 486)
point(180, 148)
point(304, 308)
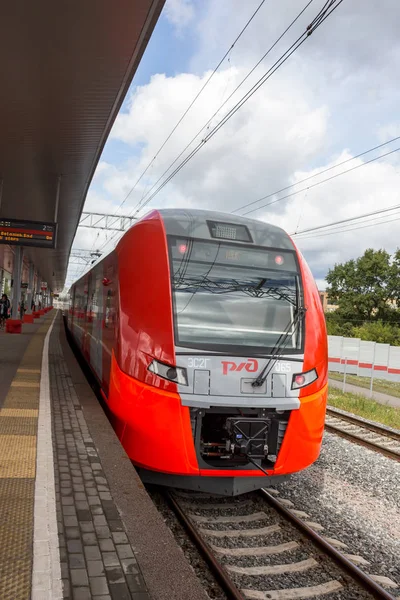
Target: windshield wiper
point(281, 343)
point(212, 286)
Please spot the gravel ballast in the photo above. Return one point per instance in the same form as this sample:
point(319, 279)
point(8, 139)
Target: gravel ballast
point(355, 494)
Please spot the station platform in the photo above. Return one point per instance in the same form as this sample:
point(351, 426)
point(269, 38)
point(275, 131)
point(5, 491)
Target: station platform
point(75, 520)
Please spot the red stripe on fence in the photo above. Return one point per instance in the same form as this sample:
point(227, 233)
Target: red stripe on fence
point(364, 365)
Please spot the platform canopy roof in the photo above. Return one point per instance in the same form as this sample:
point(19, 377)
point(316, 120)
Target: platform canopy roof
point(65, 67)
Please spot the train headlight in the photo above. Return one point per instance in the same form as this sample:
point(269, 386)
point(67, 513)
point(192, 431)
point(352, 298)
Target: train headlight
point(300, 380)
point(174, 374)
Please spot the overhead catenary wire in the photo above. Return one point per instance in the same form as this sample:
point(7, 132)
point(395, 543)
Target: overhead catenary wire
point(347, 220)
point(346, 230)
point(333, 4)
point(288, 187)
point(320, 182)
point(193, 101)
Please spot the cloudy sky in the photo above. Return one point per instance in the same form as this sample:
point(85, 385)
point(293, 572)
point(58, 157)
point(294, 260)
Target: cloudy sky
point(335, 97)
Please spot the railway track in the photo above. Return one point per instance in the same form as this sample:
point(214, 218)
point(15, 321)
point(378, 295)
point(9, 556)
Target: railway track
point(370, 435)
point(259, 548)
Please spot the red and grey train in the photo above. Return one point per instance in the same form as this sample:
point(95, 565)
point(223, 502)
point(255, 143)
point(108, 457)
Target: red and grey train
point(206, 334)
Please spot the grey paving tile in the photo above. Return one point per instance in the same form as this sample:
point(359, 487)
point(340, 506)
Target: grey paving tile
point(99, 520)
point(79, 577)
point(130, 565)
point(119, 537)
point(92, 553)
point(105, 495)
point(98, 585)
point(106, 545)
point(97, 510)
point(115, 525)
point(103, 532)
point(115, 575)
point(124, 551)
point(120, 591)
point(78, 487)
point(66, 589)
point(110, 559)
point(93, 497)
point(72, 533)
point(135, 583)
point(82, 593)
point(69, 510)
point(89, 483)
point(64, 570)
point(67, 501)
point(89, 539)
point(74, 546)
point(95, 568)
point(80, 497)
point(86, 527)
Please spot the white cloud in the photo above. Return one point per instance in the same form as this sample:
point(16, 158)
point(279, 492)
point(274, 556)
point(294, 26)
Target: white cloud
point(336, 97)
point(179, 12)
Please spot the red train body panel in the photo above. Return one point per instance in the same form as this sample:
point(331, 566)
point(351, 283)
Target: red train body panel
point(207, 337)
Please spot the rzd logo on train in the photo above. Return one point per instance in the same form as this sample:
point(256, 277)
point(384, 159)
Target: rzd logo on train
point(251, 366)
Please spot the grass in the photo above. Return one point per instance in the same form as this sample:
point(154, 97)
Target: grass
point(365, 407)
point(380, 385)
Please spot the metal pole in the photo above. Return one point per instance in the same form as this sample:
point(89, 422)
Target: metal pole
point(372, 373)
point(17, 272)
point(29, 296)
point(344, 375)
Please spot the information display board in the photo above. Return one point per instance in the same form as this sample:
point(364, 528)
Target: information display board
point(16, 232)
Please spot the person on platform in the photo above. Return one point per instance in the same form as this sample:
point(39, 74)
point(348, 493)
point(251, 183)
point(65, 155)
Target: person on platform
point(4, 310)
point(22, 309)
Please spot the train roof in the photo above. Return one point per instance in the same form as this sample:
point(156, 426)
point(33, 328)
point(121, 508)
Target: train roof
point(196, 223)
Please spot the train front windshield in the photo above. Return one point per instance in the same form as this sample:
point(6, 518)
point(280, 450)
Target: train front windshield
point(227, 296)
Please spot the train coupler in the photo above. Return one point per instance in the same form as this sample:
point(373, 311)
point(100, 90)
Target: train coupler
point(248, 437)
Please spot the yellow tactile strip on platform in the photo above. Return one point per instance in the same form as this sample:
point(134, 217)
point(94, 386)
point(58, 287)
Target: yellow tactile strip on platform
point(19, 412)
point(18, 430)
point(16, 518)
point(17, 455)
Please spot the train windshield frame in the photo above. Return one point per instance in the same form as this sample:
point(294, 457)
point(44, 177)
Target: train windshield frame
point(235, 298)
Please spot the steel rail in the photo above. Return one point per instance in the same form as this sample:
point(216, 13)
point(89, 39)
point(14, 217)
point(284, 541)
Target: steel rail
point(365, 424)
point(217, 569)
point(357, 439)
point(362, 578)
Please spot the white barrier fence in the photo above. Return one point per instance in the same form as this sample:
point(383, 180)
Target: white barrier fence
point(368, 359)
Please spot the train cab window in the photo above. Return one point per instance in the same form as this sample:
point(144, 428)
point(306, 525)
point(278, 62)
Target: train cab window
point(228, 296)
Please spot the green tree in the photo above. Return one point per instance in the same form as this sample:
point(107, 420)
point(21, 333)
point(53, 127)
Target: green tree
point(367, 288)
point(383, 333)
